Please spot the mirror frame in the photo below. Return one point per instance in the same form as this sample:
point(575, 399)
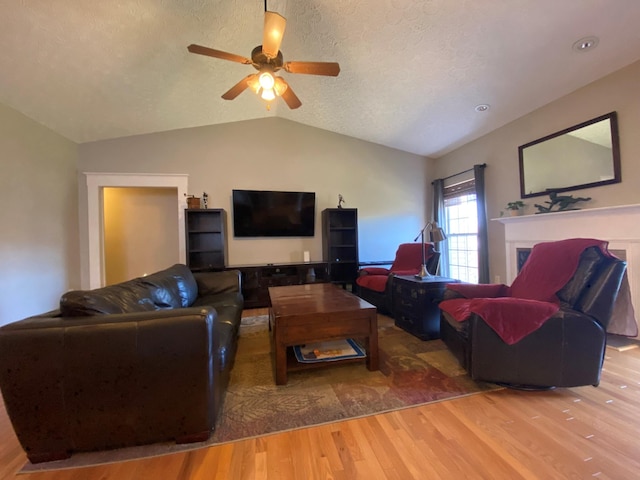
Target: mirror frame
point(615, 150)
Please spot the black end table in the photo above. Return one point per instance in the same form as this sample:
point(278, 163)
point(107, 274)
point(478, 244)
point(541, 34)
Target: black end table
point(415, 304)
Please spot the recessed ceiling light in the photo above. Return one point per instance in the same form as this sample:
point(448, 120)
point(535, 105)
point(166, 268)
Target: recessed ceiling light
point(585, 44)
point(483, 107)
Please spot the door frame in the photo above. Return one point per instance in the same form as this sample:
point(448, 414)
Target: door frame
point(96, 182)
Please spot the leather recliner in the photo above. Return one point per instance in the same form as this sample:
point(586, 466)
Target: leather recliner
point(375, 284)
point(566, 350)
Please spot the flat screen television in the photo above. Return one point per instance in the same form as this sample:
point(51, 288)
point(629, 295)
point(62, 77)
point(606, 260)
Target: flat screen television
point(258, 213)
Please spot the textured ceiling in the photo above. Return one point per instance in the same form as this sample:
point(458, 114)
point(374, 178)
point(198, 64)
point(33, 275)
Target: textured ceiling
point(412, 71)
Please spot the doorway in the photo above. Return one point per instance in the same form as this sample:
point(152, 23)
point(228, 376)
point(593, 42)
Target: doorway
point(140, 234)
point(96, 183)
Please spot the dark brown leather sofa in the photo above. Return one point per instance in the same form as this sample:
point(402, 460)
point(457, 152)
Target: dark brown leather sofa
point(139, 362)
point(566, 351)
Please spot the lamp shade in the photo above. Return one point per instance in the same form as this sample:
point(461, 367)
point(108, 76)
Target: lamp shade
point(280, 86)
point(267, 94)
point(436, 233)
point(274, 25)
point(266, 80)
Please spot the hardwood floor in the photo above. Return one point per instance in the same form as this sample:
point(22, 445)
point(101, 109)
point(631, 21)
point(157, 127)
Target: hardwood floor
point(575, 433)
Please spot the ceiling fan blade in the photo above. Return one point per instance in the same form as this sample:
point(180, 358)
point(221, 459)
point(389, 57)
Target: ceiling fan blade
point(330, 69)
point(210, 52)
point(289, 97)
point(274, 25)
point(238, 88)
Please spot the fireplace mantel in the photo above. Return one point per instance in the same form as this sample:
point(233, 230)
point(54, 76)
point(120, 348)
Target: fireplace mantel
point(619, 225)
point(582, 215)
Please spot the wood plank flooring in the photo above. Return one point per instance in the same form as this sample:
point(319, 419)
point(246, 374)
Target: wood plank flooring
point(577, 433)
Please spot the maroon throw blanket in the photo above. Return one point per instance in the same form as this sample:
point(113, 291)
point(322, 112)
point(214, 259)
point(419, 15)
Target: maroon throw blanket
point(514, 312)
point(511, 318)
point(550, 266)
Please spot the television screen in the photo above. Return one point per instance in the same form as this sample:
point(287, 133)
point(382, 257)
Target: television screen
point(259, 213)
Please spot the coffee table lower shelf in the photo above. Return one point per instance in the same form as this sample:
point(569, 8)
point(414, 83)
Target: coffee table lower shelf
point(294, 365)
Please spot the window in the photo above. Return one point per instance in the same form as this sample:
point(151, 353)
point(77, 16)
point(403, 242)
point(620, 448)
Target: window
point(461, 227)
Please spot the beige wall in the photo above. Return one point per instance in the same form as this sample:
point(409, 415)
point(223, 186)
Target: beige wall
point(140, 233)
point(39, 236)
point(39, 241)
point(387, 186)
point(499, 150)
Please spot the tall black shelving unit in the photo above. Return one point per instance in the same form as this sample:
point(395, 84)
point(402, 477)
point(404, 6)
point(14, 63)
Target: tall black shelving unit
point(340, 244)
point(206, 231)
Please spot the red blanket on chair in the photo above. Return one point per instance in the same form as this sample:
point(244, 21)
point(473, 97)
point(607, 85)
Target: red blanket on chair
point(511, 318)
point(514, 312)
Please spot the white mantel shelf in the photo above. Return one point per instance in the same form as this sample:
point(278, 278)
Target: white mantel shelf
point(589, 212)
point(619, 225)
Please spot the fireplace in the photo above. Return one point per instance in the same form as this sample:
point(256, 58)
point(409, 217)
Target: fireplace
point(619, 225)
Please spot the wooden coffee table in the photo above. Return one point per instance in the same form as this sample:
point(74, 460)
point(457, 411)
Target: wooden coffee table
point(302, 314)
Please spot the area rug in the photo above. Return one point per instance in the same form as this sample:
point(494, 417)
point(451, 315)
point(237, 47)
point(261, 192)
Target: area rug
point(412, 372)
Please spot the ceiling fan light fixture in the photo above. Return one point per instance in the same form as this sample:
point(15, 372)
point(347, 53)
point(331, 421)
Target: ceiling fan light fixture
point(267, 94)
point(254, 83)
point(274, 25)
point(266, 80)
point(280, 86)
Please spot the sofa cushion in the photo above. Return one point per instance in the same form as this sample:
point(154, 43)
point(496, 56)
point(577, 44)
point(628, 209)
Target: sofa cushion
point(377, 283)
point(211, 283)
point(164, 296)
point(231, 314)
point(219, 300)
point(126, 297)
point(173, 287)
point(375, 271)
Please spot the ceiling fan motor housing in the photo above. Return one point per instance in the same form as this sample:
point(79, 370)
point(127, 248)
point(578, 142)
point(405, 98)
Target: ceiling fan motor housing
point(260, 60)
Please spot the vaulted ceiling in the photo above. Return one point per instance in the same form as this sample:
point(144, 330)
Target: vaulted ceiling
point(412, 71)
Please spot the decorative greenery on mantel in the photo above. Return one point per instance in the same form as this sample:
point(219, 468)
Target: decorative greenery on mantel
point(612, 211)
point(514, 208)
point(560, 203)
point(517, 205)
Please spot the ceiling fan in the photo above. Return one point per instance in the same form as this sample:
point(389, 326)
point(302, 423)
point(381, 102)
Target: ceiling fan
point(267, 59)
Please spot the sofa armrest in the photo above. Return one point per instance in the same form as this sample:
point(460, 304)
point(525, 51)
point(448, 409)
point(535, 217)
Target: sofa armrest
point(69, 381)
point(210, 283)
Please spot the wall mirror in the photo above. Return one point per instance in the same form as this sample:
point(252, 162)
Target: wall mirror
point(582, 156)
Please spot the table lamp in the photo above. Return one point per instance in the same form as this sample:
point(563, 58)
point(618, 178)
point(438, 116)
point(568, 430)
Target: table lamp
point(436, 235)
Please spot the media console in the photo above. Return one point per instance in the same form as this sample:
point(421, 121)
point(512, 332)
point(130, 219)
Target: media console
point(256, 279)
point(206, 249)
